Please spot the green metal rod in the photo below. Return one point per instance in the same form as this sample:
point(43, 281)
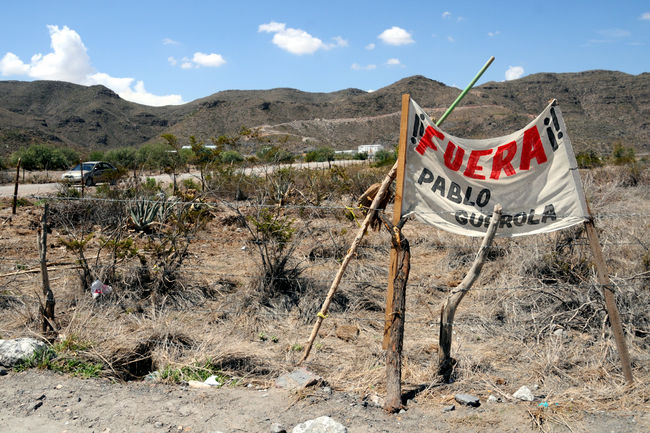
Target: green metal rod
point(464, 92)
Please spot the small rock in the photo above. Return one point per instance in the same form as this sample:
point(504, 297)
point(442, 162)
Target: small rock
point(467, 400)
point(493, 399)
point(449, 408)
point(559, 332)
point(524, 394)
point(198, 384)
point(59, 386)
point(376, 400)
point(278, 428)
point(327, 390)
point(297, 379)
point(12, 351)
point(323, 424)
point(158, 424)
point(402, 411)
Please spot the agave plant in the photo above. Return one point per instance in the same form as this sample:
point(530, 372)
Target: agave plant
point(144, 212)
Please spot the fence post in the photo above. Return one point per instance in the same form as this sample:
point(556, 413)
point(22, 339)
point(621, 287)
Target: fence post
point(610, 300)
point(13, 207)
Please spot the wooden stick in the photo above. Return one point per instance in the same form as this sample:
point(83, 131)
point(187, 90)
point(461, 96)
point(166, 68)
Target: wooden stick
point(13, 207)
point(402, 264)
point(48, 311)
point(610, 300)
point(346, 260)
point(448, 310)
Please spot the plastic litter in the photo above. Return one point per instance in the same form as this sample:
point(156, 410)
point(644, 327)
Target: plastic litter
point(98, 288)
point(212, 381)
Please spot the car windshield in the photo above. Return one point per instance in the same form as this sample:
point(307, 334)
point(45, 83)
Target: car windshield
point(87, 167)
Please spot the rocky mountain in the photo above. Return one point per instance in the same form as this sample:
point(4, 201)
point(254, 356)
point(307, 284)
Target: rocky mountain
point(600, 107)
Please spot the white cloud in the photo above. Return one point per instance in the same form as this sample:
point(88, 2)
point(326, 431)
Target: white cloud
point(370, 47)
point(393, 62)
point(396, 36)
point(339, 42)
point(446, 14)
point(12, 65)
point(614, 33)
point(126, 88)
point(187, 65)
point(493, 34)
point(271, 27)
point(358, 67)
point(168, 41)
point(451, 39)
point(69, 61)
point(459, 19)
point(645, 16)
point(211, 60)
point(172, 60)
point(514, 72)
point(297, 41)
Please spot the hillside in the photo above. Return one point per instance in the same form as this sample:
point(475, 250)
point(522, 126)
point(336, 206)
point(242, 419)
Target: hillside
point(599, 107)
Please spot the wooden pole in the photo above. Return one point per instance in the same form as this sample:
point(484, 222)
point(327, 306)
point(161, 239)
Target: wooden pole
point(397, 215)
point(448, 310)
point(610, 299)
point(48, 311)
point(83, 183)
point(15, 202)
point(402, 264)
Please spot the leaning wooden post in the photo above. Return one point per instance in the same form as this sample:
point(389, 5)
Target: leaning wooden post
point(448, 310)
point(48, 311)
point(15, 202)
point(346, 260)
point(610, 299)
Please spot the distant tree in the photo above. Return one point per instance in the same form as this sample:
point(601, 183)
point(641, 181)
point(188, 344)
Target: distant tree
point(175, 161)
point(202, 157)
point(44, 157)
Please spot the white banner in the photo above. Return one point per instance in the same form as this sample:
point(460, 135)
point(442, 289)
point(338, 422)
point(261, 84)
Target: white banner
point(453, 183)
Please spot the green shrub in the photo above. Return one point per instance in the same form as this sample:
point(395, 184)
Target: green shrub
point(321, 154)
point(588, 159)
point(274, 155)
point(622, 154)
point(231, 157)
point(385, 157)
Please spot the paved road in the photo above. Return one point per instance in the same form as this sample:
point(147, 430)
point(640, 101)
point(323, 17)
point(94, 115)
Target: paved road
point(36, 189)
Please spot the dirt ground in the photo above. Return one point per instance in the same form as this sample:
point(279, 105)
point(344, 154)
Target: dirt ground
point(522, 324)
point(42, 401)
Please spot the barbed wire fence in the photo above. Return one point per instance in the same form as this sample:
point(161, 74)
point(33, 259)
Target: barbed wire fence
point(17, 269)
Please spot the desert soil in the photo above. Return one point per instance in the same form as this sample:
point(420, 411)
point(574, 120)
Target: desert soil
point(43, 401)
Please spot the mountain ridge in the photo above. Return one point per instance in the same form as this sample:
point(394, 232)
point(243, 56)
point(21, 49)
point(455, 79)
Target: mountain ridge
point(600, 107)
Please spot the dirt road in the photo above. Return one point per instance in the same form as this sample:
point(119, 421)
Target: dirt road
point(43, 401)
point(36, 189)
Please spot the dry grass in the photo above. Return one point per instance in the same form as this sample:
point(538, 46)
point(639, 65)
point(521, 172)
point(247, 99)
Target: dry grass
point(533, 318)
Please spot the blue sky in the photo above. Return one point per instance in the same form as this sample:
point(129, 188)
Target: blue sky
point(162, 52)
